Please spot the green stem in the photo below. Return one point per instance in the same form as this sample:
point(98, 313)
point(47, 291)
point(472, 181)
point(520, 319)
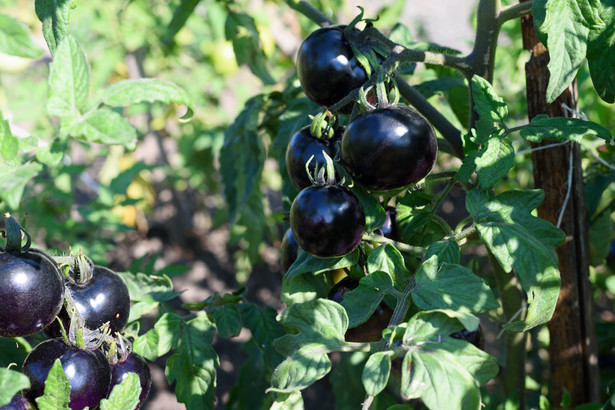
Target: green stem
point(404, 247)
point(403, 304)
point(482, 56)
point(514, 11)
point(513, 374)
point(310, 12)
point(443, 224)
point(463, 234)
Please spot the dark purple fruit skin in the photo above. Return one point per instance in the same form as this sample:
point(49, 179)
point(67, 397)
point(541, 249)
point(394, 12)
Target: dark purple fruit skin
point(133, 363)
point(326, 66)
point(288, 251)
point(389, 148)
point(388, 228)
point(300, 148)
point(370, 330)
point(476, 337)
point(18, 403)
point(31, 292)
point(104, 298)
point(88, 372)
point(327, 221)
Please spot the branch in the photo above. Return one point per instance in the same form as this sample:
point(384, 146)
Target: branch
point(310, 12)
point(514, 11)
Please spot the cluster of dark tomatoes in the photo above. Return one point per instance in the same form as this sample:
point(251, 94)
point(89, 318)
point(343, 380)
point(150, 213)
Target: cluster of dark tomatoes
point(81, 308)
point(382, 149)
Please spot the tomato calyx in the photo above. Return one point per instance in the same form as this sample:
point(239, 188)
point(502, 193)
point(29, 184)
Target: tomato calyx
point(13, 236)
point(325, 175)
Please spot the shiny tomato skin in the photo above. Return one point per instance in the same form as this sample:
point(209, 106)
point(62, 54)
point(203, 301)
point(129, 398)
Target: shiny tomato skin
point(31, 292)
point(326, 66)
point(288, 251)
point(133, 363)
point(389, 148)
point(104, 298)
point(88, 372)
point(327, 221)
point(299, 150)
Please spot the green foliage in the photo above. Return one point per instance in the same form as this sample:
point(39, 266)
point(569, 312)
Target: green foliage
point(95, 100)
point(57, 389)
point(124, 395)
point(11, 382)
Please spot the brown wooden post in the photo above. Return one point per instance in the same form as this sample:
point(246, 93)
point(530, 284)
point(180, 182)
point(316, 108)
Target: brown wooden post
point(572, 349)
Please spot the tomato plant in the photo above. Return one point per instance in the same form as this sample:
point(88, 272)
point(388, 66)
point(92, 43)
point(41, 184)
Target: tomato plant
point(434, 252)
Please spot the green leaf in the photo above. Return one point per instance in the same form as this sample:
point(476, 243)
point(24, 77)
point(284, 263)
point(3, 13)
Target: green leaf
point(15, 39)
point(13, 180)
point(438, 382)
point(523, 242)
point(124, 395)
point(376, 373)
point(54, 14)
point(300, 370)
point(601, 53)
point(346, 380)
point(265, 329)
point(600, 234)
point(386, 258)
point(127, 92)
point(436, 363)
point(436, 325)
point(564, 27)
point(57, 390)
point(159, 340)
point(361, 302)
point(304, 288)
point(374, 212)
point(241, 29)
point(543, 127)
point(194, 364)
point(449, 286)
point(248, 391)
point(228, 321)
point(242, 157)
point(104, 126)
point(69, 79)
point(494, 160)
point(9, 144)
point(11, 382)
point(308, 263)
point(446, 251)
point(491, 109)
point(319, 320)
point(411, 221)
point(288, 401)
point(180, 15)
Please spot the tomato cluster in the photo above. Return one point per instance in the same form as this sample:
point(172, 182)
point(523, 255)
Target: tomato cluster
point(68, 301)
point(383, 148)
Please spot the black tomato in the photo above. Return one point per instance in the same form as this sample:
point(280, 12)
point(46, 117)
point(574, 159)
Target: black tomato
point(327, 221)
point(288, 252)
point(103, 298)
point(133, 363)
point(370, 330)
point(301, 147)
point(18, 403)
point(327, 67)
point(31, 292)
point(88, 372)
point(389, 148)
point(476, 337)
